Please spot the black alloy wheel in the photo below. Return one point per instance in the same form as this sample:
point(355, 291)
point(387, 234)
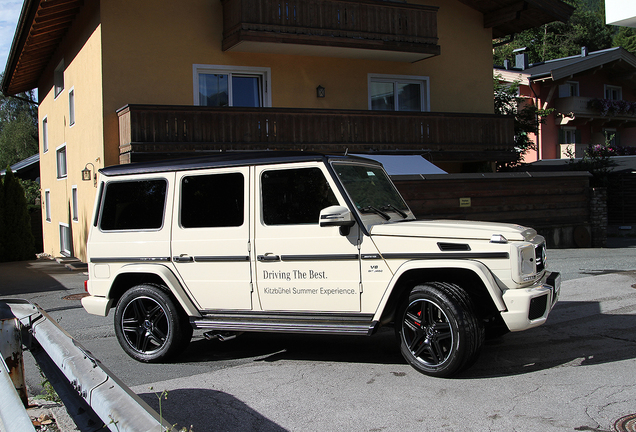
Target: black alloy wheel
point(148, 325)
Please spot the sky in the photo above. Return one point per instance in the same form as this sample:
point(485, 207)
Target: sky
point(9, 14)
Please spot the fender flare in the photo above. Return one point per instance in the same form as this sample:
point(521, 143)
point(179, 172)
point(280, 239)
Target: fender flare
point(481, 270)
point(169, 279)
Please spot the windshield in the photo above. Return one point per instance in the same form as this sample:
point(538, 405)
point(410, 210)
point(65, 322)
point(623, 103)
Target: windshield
point(371, 190)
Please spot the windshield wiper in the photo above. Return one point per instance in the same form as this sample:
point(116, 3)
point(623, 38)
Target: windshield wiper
point(395, 209)
point(371, 209)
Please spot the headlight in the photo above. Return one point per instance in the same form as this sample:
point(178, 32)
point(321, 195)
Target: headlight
point(527, 263)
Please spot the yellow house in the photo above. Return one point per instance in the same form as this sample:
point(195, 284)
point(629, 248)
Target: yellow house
point(125, 81)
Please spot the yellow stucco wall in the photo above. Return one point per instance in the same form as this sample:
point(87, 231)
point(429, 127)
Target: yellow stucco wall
point(122, 52)
point(150, 47)
point(81, 54)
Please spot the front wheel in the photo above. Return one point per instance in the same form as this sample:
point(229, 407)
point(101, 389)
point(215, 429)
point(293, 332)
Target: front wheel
point(149, 326)
point(438, 329)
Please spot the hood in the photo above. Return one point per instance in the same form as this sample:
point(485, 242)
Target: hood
point(454, 229)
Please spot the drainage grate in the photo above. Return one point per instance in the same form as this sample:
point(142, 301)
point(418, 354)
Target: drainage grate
point(75, 296)
point(626, 424)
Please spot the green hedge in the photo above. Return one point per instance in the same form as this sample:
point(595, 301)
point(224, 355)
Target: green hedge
point(16, 239)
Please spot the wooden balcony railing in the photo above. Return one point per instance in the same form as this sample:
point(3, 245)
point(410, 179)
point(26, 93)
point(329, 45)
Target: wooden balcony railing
point(168, 131)
point(248, 25)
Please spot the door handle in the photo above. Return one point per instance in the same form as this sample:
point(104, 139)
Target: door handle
point(268, 257)
point(183, 258)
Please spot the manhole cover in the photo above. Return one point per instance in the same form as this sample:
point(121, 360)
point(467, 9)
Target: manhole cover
point(75, 296)
point(626, 424)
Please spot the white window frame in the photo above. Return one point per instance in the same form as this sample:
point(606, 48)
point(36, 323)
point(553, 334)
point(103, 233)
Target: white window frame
point(45, 134)
point(58, 152)
point(47, 205)
point(424, 81)
point(569, 89)
point(58, 79)
point(74, 204)
point(65, 230)
point(618, 89)
point(71, 106)
point(264, 73)
point(569, 131)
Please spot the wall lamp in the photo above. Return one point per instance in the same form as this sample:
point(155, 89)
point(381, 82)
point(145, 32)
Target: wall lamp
point(320, 91)
point(86, 174)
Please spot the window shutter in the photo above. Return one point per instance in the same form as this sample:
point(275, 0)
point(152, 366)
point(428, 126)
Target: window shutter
point(577, 137)
point(562, 136)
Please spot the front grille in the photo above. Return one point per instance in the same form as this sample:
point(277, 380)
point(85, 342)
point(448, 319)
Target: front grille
point(539, 256)
point(537, 307)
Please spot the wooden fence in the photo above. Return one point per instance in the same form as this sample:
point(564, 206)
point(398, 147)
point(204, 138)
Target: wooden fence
point(557, 205)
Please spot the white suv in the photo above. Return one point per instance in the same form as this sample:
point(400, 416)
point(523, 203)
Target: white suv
point(304, 243)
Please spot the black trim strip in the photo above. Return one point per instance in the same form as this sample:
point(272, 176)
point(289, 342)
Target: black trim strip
point(334, 257)
point(371, 256)
point(451, 255)
point(238, 258)
point(130, 259)
point(453, 247)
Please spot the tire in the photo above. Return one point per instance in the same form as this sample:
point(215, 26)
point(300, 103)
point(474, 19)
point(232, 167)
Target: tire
point(149, 326)
point(439, 332)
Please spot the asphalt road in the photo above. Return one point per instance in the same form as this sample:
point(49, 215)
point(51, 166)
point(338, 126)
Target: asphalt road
point(576, 372)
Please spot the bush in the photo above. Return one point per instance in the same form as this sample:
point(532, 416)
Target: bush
point(16, 238)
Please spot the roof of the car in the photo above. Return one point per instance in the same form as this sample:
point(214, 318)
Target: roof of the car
point(225, 159)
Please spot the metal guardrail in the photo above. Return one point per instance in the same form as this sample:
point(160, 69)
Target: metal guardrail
point(82, 382)
point(13, 416)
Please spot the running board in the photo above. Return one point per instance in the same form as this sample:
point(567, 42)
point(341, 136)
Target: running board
point(349, 324)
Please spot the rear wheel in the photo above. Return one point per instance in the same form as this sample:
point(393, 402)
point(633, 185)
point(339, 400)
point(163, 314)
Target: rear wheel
point(149, 326)
point(438, 329)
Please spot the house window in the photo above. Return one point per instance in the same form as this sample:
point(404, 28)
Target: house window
point(45, 135)
point(71, 107)
point(61, 161)
point(222, 86)
point(74, 203)
point(65, 239)
point(570, 88)
point(611, 136)
point(569, 135)
point(58, 78)
point(613, 92)
point(47, 205)
point(398, 93)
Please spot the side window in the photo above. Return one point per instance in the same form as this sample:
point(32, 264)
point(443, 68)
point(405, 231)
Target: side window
point(295, 196)
point(134, 205)
point(215, 200)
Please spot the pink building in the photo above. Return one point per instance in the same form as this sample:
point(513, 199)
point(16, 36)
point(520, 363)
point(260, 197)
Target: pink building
point(593, 96)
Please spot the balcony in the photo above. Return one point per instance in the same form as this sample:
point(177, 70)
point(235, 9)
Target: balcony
point(368, 29)
point(579, 109)
point(158, 131)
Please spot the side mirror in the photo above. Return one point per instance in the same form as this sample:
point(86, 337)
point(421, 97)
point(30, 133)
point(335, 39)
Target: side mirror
point(337, 216)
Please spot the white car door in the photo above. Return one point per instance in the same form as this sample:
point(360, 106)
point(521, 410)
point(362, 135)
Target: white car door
point(301, 266)
point(210, 237)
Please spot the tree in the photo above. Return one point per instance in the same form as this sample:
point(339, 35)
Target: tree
point(527, 116)
point(585, 28)
point(15, 231)
point(18, 127)
point(626, 38)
